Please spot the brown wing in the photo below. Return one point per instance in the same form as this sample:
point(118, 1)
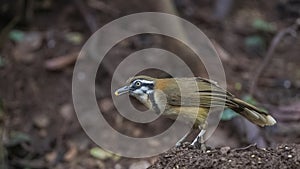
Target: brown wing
point(194, 92)
point(206, 93)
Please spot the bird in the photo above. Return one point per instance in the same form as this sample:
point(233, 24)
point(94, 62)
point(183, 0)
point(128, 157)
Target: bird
point(193, 97)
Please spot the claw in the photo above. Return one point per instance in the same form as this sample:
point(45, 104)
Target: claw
point(199, 141)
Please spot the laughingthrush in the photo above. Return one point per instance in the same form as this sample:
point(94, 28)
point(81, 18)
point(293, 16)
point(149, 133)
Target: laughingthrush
point(191, 96)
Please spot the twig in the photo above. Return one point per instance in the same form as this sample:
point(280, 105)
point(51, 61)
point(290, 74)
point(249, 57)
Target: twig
point(254, 145)
point(87, 16)
point(61, 62)
point(289, 30)
point(103, 7)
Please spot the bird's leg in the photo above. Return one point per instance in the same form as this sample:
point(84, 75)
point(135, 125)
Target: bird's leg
point(200, 139)
point(182, 139)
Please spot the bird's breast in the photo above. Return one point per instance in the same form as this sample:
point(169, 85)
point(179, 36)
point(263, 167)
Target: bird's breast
point(159, 101)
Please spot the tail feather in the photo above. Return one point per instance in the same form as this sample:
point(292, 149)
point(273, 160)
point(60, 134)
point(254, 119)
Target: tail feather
point(253, 114)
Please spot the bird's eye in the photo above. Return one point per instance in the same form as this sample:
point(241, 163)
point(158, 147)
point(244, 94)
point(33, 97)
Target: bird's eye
point(138, 83)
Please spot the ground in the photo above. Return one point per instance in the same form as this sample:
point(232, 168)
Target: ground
point(283, 156)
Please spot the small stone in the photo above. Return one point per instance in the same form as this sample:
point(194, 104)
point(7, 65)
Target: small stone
point(51, 157)
point(259, 160)
point(224, 150)
point(223, 159)
point(252, 155)
point(153, 160)
point(140, 165)
point(67, 112)
point(71, 153)
point(41, 121)
point(290, 156)
point(229, 160)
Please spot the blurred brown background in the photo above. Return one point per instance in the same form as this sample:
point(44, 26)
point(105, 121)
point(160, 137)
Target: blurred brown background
point(39, 43)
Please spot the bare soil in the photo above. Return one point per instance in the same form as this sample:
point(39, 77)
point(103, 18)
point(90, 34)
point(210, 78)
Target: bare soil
point(281, 157)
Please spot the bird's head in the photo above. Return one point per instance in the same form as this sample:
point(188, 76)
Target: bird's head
point(139, 86)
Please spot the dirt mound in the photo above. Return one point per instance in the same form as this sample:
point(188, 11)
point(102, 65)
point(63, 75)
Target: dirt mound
point(186, 156)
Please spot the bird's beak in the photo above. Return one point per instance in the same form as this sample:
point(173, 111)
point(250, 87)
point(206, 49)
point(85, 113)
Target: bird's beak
point(122, 90)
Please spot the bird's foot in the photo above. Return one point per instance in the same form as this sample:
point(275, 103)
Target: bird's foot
point(199, 143)
point(200, 146)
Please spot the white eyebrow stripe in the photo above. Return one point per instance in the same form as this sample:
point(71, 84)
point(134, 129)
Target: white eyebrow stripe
point(144, 81)
point(143, 89)
point(138, 91)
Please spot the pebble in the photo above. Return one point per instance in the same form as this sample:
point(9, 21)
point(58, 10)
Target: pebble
point(41, 121)
point(71, 153)
point(67, 112)
point(224, 150)
point(51, 157)
point(259, 160)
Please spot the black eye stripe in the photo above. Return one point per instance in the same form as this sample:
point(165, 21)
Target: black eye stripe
point(150, 86)
point(143, 83)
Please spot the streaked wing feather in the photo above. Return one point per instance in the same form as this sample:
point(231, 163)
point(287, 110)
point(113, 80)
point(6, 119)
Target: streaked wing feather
point(206, 94)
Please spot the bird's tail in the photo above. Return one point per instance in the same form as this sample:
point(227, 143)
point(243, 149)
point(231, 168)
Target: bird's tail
point(253, 114)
